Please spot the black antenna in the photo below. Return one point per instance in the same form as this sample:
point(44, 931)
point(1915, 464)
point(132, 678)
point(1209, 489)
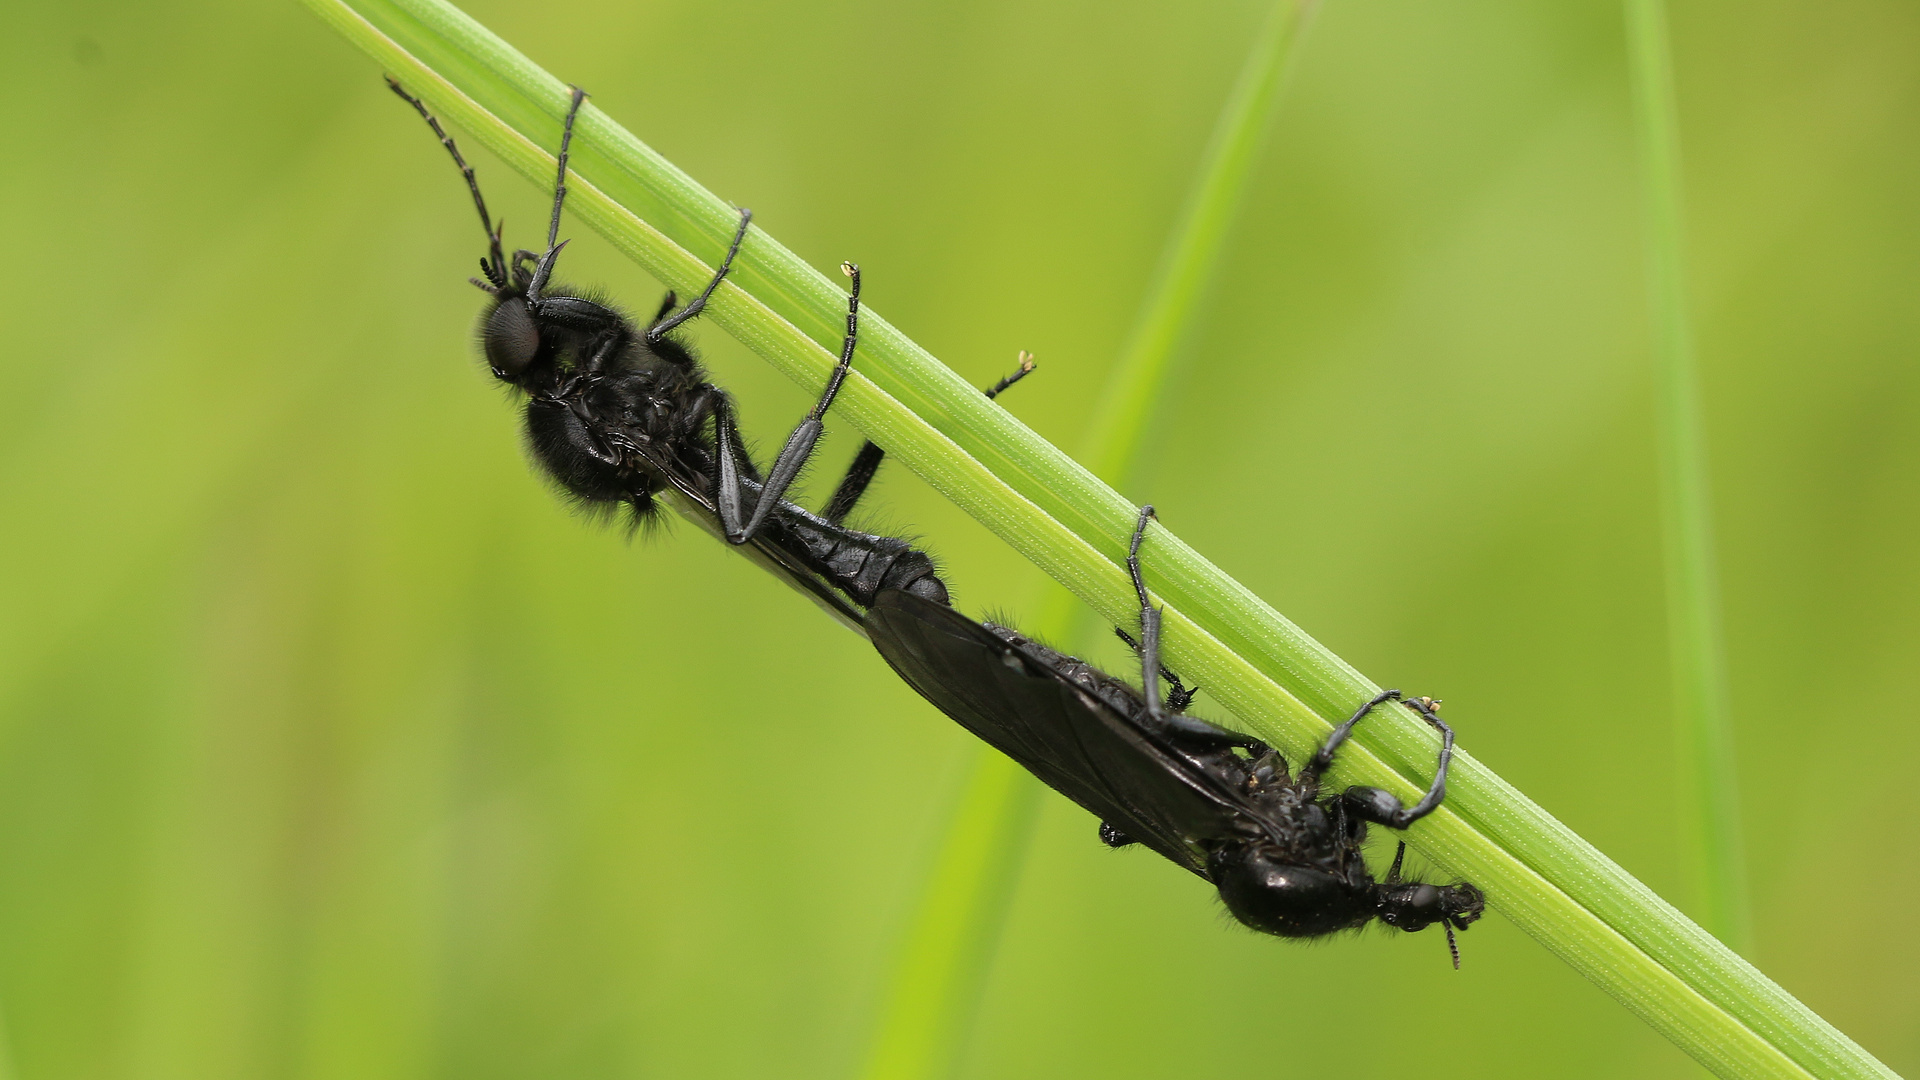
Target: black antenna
point(496, 270)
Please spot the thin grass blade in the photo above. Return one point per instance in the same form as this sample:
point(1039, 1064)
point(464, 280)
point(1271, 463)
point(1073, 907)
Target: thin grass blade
point(1702, 720)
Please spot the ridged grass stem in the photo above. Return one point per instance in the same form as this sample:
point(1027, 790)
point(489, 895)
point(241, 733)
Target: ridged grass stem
point(934, 993)
point(1278, 682)
point(1703, 723)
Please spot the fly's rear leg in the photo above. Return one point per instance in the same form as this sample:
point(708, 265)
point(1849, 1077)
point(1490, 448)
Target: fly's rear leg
point(854, 484)
point(793, 456)
point(1166, 715)
point(1371, 803)
point(867, 462)
point(1027, 364)
point(1149, 621)
point(1178, 695)
point(737, 471)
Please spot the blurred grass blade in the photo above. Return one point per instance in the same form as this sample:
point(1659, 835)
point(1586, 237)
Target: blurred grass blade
point(1703, 724)
point(950, 941)
point(1123, 416)
point(939, 969)
point(1279, 682)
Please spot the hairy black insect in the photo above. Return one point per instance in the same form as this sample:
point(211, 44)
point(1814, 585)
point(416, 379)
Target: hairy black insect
point(1285, 857)
point(617, 415)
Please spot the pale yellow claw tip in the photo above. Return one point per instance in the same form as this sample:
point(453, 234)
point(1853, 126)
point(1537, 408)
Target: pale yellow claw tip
point(848, 268)
point(1026, 360)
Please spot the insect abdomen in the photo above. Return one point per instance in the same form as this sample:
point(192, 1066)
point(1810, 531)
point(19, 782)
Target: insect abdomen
point(861, 564)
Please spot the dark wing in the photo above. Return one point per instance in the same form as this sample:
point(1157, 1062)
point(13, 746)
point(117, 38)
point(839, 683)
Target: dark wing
point(1080, 747)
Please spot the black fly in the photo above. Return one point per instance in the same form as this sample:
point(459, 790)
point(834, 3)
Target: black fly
point(617, 415)
point(1285, 857)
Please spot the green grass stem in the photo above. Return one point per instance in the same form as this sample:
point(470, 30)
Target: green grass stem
point(1280, 683)
point(1702, 721)
point(950, 941)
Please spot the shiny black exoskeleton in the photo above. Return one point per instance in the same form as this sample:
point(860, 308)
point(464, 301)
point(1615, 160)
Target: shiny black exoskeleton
point(1284, 855)
point(617, 415)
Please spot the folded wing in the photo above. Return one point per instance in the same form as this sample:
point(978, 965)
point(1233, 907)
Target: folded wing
point(1105, 761)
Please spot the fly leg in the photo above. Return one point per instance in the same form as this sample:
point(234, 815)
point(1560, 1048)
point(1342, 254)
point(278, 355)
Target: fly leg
point(1393, 872)
point(1178, 695)
point(867, 462)
point(793, 456)
point(544, 268)
point(737, 472)
point(1322, 760)
point(854, 484)
point(662, 323)
point(1371, 803)
point(1149, 619)
point(1198, 733)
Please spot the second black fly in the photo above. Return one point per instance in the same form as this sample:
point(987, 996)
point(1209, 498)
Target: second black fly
point(1285, 855)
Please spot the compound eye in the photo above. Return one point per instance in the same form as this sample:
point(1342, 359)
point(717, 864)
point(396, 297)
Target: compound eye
point(511, 338)
point(1463, 904)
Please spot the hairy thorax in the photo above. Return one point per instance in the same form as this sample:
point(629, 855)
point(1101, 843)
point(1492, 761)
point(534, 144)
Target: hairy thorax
point(599, 428)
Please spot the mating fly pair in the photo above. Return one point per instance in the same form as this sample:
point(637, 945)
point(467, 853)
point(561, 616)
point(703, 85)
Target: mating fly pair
point(617, 415)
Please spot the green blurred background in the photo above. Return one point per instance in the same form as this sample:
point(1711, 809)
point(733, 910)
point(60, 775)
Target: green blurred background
point(333, 745)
